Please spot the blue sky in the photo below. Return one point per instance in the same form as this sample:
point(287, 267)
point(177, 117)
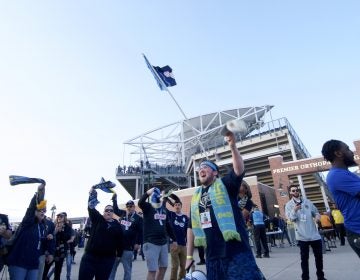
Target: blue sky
point(74, 86)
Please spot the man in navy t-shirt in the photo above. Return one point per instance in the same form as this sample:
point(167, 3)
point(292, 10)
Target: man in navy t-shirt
point(214, 214)
point(345, 187)
point(179, 222)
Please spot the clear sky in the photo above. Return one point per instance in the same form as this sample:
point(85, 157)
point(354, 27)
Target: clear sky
point(74, 86)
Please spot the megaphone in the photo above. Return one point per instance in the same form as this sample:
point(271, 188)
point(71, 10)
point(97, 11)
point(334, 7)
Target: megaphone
point(234, 126)
point(195, 275)
point(192, 274)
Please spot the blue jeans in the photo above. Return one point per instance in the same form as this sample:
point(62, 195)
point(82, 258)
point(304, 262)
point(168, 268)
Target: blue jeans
point(68, 265)
point(126, 260)
point(20, 273)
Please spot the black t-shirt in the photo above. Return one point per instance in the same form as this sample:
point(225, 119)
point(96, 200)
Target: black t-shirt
point(157, 225)
point(216, 245)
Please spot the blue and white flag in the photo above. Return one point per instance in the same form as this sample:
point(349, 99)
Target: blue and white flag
point(17, 180)
point(163, 75)
point(106, 186)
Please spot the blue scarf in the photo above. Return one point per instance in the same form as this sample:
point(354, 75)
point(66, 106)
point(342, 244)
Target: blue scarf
point(16, 180)
point(223, 213)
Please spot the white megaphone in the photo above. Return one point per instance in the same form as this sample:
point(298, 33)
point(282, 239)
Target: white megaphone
point(234, 126)
point(195, 275)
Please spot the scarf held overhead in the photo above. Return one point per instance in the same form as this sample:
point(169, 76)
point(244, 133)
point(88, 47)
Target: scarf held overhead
point(223, 213)
point(17, 180)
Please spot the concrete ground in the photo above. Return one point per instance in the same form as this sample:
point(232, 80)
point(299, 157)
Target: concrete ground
point(283, 264)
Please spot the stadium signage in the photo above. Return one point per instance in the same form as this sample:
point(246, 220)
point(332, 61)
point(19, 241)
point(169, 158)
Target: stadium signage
point(321, 164)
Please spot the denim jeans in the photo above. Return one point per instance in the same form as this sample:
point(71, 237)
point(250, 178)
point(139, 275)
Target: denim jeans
point(68, 265)
point(126, 259)
point(41, 267)
point(20, 273)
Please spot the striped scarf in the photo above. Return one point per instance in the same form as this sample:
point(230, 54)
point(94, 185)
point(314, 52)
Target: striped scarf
point(223, 213)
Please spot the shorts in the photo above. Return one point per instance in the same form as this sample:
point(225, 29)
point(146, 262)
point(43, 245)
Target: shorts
point(156, 256)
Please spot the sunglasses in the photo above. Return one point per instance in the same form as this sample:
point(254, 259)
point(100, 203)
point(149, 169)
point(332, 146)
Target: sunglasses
point(42, 210)
point(294, 191)
point(109, 210)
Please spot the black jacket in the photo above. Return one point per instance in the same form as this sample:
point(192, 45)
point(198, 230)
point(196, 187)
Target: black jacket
point(132, 226)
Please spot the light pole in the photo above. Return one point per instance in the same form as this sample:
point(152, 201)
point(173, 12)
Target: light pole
point(53, 209)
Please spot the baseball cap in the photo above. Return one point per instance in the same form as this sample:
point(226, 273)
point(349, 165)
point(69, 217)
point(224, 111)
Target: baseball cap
point(62, 214)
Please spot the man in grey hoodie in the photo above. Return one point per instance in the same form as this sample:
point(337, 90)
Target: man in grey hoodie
point(304, 214)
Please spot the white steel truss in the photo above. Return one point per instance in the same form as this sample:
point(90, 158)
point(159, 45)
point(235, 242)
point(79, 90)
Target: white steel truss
point(176, 143)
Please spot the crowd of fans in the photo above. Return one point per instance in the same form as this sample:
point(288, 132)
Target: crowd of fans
point(223, 219)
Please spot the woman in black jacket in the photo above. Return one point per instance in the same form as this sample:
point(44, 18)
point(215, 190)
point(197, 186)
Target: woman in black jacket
point(23, 259)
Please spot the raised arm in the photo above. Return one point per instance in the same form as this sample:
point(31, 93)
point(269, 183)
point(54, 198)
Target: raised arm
point(238, 163)
point(119, 212)
point(94, 215)
point(142, 201)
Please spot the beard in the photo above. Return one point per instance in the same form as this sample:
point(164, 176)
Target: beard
point(349, 162)
point(206, 181)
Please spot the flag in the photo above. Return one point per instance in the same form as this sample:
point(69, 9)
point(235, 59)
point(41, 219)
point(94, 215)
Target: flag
point(105, 186)
point(16, 180)
point(163, 75)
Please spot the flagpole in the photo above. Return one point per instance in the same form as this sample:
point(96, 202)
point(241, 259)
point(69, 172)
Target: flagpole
point(163, 86)
point(177, 104)
point(193, 129)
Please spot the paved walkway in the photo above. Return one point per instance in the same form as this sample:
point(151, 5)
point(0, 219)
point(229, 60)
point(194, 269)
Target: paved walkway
point(284, 264)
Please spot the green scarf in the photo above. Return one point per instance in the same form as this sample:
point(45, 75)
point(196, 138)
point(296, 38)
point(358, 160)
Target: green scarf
point(223, 212)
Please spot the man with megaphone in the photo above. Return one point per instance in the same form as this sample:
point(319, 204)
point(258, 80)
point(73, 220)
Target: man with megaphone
point(217, 222)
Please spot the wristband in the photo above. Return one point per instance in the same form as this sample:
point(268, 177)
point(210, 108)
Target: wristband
point(189, 257)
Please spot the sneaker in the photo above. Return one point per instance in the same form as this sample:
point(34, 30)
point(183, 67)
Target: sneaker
point(258, 256)
point(266, 256)
point(200, 263)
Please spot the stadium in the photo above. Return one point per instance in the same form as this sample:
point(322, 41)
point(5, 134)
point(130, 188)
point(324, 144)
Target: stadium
point(168, 157)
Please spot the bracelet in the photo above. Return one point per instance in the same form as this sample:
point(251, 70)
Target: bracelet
point(189, 257)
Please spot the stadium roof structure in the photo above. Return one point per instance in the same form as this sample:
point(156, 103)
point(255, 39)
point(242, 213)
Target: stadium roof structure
point(168, 156)
point(176, 143)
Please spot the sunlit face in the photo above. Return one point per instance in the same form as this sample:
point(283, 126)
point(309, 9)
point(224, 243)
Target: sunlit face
point(40, 214)
point(206, 175)
point(108, 213)
point(295, 192)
